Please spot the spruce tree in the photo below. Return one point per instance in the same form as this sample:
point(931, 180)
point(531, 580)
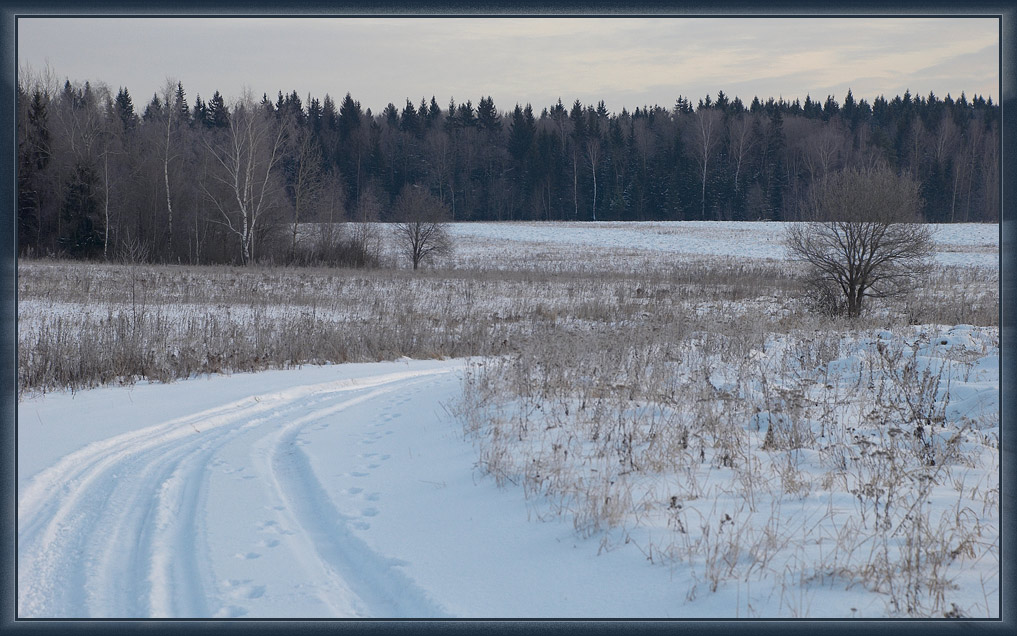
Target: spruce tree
point(180, 104)
point(408, 121)
point(349, 117)
point(125, 109)
point(34, 153)
point(218, 115)
point(82, 237)
point(487, 116)
point(200, 113)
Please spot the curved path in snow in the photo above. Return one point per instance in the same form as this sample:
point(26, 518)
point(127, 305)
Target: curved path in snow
point(342, 491)
point(118, 527)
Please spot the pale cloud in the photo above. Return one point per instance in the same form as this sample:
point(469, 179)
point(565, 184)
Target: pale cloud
point(624, 61)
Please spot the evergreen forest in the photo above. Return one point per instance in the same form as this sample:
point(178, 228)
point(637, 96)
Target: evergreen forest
point(175, 179)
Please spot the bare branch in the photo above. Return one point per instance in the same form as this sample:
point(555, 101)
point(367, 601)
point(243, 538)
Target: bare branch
point(864, 235)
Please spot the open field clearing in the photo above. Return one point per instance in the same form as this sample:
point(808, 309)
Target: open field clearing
point(975, 244)
point(639, 420)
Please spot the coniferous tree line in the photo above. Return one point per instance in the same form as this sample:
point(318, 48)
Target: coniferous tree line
point(206, 181)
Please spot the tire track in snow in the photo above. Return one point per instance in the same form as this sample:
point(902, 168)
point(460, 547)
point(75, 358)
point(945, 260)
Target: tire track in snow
point(85, 551)
point(380, 589)
point(114, 529)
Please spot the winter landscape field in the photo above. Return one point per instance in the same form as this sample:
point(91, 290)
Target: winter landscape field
point(556, 420)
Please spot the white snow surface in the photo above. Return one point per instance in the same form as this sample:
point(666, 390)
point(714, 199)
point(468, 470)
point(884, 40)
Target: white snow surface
point(333, 491)
point(960, 244)
point(348, 490)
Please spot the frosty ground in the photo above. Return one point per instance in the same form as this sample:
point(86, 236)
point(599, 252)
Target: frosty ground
point(741, 472)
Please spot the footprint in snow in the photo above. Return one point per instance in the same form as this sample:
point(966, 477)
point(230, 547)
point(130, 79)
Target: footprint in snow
point(269, 543)
point(369, 512)
point(361, 525)
point(242, 589)
point(355, 491)
point(359, 474)
point(373, 496)
point(272, 527)
point(248, 556)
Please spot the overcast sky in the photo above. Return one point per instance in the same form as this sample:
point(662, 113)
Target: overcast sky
point(626, 62)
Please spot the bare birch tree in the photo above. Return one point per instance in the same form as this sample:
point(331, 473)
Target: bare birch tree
point(244, 161)
point(172, 105)
point(740, 142)
point(706, 132)
point(593, 157)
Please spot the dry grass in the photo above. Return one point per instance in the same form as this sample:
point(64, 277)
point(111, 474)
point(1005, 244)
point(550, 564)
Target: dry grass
point(621, 394)
point(710, 416)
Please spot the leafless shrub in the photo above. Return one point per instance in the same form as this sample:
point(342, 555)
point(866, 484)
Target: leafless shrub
point(862, 239)
point(421, 230)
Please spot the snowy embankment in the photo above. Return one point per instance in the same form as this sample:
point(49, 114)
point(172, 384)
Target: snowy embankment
point(334, 491)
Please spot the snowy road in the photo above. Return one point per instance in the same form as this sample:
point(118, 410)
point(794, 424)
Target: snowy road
point(338, 491)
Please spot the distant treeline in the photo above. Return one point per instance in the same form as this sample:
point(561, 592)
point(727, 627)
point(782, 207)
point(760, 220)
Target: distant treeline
point(206, 181)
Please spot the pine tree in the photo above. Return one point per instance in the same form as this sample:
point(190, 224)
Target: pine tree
point(487, 117)
point(409, 122)
point(200, 113)
point(266, 104)
point(180, 103)
point(152, 111)
point(218, 115)
point(80, 211)
point(433, 112)
point(830, 108)
point(329, 115)
point(34, 153)
point(314, 114)
point(391, 115)
point(349, 117)
point(465, 115)
point(125, 110)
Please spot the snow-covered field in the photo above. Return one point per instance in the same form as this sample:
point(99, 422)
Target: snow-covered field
point(386, 489)
point(962, 244)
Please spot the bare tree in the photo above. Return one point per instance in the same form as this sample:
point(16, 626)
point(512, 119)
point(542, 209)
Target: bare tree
point(706, 132)
point(740, 142)
point(308, 185)
point(422, 231)
point(439, 160)
point(245, 158)
point(864, 238)
point(173, 107)
point(593, 157)
point(112, 143)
